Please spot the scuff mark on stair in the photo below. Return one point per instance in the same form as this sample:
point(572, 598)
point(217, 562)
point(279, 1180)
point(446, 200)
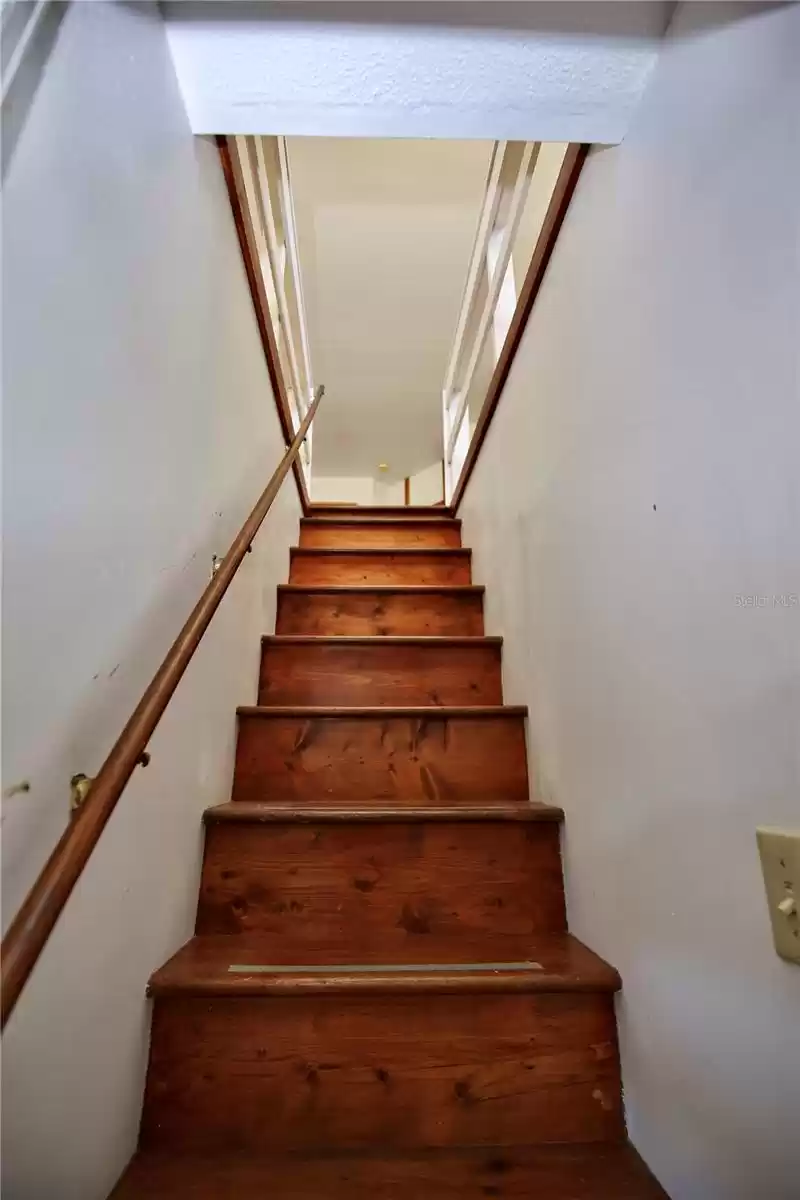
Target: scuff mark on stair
point(428, 783)
point(305, 736)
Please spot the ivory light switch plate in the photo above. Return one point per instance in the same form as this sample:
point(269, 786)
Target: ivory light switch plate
point(780, 863)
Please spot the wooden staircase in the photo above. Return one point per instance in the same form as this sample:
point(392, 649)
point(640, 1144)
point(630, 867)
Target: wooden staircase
point(381, 998)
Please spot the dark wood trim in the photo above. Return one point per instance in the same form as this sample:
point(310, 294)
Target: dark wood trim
point(236, 195)
point(30, 929)
point(551, 226)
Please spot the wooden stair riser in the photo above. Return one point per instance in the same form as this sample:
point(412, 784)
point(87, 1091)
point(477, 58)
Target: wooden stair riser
point(570, 1171)
point(380, 613)
point(380, 534)
point(357, 761)
point(345, 888)
point(380, 567)
point(380, 672)
point(309, 1072)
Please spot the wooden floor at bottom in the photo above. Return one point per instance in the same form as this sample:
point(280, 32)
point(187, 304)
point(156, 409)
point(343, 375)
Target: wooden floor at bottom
point(564, 1172)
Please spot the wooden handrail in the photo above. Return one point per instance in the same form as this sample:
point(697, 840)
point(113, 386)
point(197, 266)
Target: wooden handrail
point(34, 922)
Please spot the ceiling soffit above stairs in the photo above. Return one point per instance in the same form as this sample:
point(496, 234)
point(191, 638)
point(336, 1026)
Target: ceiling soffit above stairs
point(538, 72)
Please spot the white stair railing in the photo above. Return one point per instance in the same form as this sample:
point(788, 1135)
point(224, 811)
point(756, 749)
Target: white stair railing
point(264, 167)
point(490, 293)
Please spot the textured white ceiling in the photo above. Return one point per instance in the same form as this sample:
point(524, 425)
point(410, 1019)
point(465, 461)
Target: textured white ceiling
point(533, 71)
point(385, 230)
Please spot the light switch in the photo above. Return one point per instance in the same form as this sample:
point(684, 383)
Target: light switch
point(780, 863)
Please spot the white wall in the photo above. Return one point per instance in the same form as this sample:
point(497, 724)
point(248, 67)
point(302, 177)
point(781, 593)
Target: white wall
point(640, 474)
point(343, 489)
point(427, 486)
point(534, 71)
point(139, 429)
point(385, 230)
point(389, 491)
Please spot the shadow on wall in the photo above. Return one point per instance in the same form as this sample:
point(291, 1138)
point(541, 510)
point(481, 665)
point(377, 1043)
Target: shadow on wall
point(584, 19)
point(27, 43)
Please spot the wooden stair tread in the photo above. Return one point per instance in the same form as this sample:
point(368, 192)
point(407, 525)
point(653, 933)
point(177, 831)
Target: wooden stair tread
point(433, 511)
point(255, 811)
point(386, 589)
point(381, 711)
point(383, 852)
point(562, 964)
point(595, 1171)
point(373, 518)
point(371, 551)
point(380, 641)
